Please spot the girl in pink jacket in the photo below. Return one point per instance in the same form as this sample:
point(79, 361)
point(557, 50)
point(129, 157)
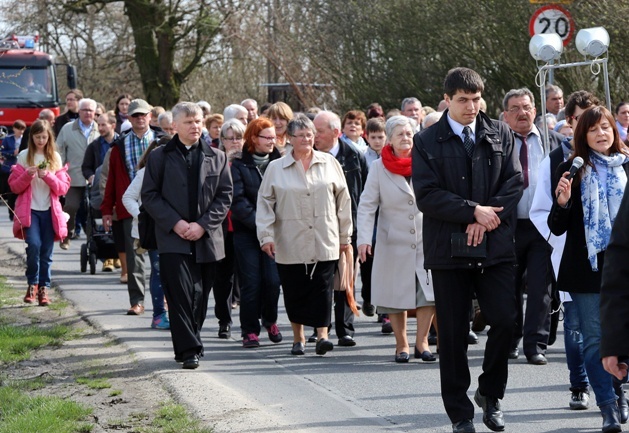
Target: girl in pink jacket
point(38, 180)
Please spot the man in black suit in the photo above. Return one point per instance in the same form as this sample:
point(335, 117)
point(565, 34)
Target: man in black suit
point(477, 205)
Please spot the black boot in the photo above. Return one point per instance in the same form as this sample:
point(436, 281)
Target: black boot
point(623, 405)
point(611, 418)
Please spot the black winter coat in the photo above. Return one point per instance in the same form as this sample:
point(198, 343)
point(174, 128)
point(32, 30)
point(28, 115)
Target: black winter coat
point(575, 270)
point(247, 179)
point(615, 289)
point(171, 204)
point(448, 189)
point(355, 169)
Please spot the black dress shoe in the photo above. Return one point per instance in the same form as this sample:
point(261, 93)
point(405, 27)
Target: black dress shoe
point(537, 359)
point(298, 349)
point(425, 356)
point(224, 332)
point(347, 341)
point(323, 346)
point(611, 418)
point(402, 357)
point(465, 426)
point(492, 415)
point(472, 338)
point(369, 309)
point(514, 353)
point(432, 339)
point(191, 363)
point(623, 405)
point(313, 337)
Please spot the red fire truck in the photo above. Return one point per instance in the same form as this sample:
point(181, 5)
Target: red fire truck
point(28, 80)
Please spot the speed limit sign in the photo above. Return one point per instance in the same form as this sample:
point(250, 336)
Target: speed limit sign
point(552, 19)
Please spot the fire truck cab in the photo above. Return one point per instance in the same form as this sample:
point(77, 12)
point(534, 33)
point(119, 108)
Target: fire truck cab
point(28, 80)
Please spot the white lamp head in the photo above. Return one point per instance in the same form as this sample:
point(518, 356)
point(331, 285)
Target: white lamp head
point(546, 47)
point(592, 42)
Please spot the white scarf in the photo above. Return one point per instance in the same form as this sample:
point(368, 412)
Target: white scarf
point(600, 206)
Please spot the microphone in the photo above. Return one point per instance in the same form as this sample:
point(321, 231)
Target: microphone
point(577, 163)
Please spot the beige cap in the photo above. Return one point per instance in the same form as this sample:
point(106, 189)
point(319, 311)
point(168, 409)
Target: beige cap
point(139, 106)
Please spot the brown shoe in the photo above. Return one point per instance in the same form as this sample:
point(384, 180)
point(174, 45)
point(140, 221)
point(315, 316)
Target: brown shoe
point(30, 294)
point(108, 265)
point(65, 244)
point(136, 310)
point(42, 296)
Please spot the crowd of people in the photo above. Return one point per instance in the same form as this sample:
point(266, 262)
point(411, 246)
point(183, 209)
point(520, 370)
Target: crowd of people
point(259, 202)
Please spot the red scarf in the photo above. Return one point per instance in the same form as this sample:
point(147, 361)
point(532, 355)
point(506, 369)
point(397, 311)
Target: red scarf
point(394, 164)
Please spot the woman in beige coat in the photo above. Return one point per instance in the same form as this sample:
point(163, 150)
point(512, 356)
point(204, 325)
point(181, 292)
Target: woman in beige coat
point(399, 281)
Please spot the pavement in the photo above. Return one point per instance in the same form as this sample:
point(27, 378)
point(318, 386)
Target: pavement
point(355, 390)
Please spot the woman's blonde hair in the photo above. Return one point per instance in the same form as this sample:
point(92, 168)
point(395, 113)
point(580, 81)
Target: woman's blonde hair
point(50, 150)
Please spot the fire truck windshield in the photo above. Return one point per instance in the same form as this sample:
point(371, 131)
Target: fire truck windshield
point(27, 86)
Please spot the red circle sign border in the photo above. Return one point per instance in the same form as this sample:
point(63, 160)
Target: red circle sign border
point(563, 10)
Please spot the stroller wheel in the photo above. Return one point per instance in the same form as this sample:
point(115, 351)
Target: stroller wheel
point(93, 263)
point(83, 257)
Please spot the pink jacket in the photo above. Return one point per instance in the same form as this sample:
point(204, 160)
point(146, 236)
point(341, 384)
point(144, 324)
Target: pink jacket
point(20, 183)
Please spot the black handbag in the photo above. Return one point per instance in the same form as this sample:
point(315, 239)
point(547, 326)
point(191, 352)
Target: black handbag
point(146, 223)
point(146, 230)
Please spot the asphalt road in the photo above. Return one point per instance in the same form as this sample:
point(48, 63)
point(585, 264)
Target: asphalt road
point(356, 389)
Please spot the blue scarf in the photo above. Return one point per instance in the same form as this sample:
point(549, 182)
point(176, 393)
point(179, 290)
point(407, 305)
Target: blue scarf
point(601, 202)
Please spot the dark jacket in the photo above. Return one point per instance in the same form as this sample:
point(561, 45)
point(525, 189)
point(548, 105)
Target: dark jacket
point(355, 169)
point(171, 204)
point(66, 117)
point(614, 290)
point(448, 188)
point(247, 179)
point(92, 159)
point(575, 270)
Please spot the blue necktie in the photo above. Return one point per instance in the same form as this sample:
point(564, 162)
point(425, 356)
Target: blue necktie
point(468, 143)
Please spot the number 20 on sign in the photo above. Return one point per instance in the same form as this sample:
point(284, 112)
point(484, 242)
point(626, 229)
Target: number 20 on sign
point(552, 19)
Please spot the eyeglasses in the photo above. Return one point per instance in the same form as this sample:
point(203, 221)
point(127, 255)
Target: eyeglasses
point(304, 137)
point(232, 139)
point(136, 115)
point(86, 110)
point(272, 138)
point(516, 109)
point(575, 118)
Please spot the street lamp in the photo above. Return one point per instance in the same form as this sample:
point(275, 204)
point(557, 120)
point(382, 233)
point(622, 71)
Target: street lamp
point(546, 49)
point(592, 42)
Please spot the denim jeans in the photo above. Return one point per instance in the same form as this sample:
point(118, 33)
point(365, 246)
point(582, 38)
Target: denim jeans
point(157, 293)
point(259, 284)
point(587, 305)
point(573, 341)
point(40, 241)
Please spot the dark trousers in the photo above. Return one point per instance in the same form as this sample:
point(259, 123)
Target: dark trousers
point(259, 284)
point(533, 255)
point(73, 200)
point(7, 194)
point(494, 288)
point(187, 287)
point(343, 315)
point(224, 283)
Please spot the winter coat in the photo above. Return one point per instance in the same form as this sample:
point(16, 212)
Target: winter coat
point(247, 179)
point(448, 191)
point(72, 145)
point(399, 255)
point(20, 182)
point(170, 204)
point(355, 169)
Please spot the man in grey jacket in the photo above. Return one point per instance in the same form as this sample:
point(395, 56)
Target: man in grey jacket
point(187, 189)
point(72, 142)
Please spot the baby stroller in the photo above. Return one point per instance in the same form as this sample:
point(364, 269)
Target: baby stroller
point(100, 243)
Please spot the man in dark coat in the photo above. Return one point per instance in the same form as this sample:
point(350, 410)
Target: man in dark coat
point(187, 189)
point(355, 168)
point(468, 182)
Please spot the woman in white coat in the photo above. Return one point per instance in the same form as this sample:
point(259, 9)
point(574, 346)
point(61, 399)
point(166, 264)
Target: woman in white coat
point(399, 280)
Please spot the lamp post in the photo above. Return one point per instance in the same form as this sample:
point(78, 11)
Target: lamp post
point(546, 49)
